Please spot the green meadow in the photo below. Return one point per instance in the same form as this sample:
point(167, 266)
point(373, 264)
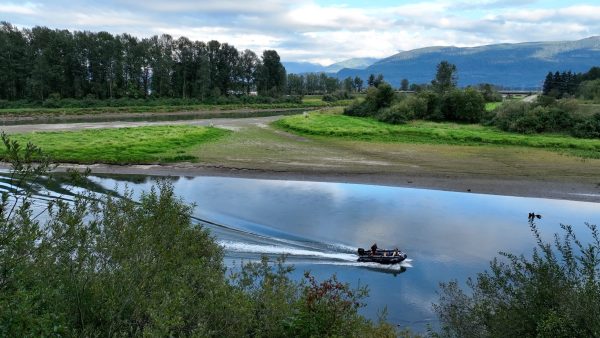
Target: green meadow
point(367, 129)
point(155, 144)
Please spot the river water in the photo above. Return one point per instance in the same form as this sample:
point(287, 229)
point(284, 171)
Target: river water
point(447, 235)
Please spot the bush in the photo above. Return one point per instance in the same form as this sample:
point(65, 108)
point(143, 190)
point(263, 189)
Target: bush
point(111, 266)
point(433, 101)
point(588, 128)
point(336, 96)
point(463, 105)
point(526, 118)
point(590, 90)
point(376, 99)
point(555, 293)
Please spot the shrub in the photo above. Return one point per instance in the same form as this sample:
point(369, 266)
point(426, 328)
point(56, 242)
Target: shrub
point(112, 266)
point(554, 293)
point(463, 105)
point(590, 90)
point(336, 96)
point(588, 127)
point(433, 111)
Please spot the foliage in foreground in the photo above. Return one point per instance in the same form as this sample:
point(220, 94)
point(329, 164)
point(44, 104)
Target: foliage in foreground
point(555, 293)
point(109, 266)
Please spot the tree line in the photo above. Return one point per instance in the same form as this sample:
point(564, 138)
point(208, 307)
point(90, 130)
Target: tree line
point(39, 62)
point(566, 84)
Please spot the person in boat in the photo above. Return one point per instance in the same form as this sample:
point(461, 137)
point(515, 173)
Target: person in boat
point(396, 253)
point(374, 249)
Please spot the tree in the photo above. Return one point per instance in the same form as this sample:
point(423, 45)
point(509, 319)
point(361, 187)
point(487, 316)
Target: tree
point(378, 80)
point(371, 80)
point(249, 64)
point(445, 77)
point(404, 85)
point(272, 76)
point(358, 84)
point(554, 293)
point(349, 84)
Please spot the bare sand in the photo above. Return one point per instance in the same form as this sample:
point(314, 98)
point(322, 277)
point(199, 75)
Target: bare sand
point(523, 187)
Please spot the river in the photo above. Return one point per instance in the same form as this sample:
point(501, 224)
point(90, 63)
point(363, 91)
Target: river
point(447, 235)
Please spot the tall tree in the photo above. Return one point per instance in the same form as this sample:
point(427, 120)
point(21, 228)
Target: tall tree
point(404, 84)
point(249, 64)
point(272, 75)
point(445, 77)
point(358, 84)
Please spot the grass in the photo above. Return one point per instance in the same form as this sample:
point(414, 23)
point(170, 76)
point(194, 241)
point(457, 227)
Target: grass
point(311, 102)
point(156, 144)
point(367, 129)
point(489, 106)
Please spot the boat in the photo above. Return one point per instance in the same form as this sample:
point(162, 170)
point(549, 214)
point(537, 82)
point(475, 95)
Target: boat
point(381, 256)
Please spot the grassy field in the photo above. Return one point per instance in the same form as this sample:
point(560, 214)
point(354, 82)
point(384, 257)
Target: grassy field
point(156, 144)
point(366, 129)
point(308, 102)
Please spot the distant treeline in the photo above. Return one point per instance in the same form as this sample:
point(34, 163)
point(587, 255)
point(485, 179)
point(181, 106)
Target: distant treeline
point(40, 62)
point(567, 84)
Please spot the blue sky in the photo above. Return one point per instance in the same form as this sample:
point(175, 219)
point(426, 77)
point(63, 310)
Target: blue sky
point(324, 31)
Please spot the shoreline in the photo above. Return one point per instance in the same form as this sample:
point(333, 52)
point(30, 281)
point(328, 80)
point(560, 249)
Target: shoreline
point(514, 186)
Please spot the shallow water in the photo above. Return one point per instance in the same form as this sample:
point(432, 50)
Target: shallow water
point(447, 235)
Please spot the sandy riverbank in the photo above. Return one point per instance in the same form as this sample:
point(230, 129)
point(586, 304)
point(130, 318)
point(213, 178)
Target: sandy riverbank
point(517, 186)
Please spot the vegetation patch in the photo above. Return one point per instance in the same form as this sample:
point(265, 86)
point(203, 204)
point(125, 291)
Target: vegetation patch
point(431, 132)
point(156, 144)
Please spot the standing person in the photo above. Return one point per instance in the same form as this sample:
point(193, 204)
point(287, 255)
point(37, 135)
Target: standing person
point(374, 248)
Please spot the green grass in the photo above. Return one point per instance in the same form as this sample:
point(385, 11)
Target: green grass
point(433, 133)
point(156, 144)
point(489, 106)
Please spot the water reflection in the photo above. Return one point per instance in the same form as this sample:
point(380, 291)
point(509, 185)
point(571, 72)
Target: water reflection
point(447, 235)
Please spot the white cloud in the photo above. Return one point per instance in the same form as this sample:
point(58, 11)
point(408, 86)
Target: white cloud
point(309, 31)
point(27, 8)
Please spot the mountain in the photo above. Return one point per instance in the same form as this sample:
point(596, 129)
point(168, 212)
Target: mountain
point(519, 65)
point(302, 67)
point(307, 67)
point(355, 63)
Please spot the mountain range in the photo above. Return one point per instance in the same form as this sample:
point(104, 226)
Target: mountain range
point(307, 67)
point(516, 65)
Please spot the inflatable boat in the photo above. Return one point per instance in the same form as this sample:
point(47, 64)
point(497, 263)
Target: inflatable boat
point(381, 256)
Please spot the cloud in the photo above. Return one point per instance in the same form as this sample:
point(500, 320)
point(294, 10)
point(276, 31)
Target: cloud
point(317, 32)
point(26, 8)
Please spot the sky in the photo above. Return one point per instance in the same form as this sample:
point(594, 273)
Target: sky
point(321, 31)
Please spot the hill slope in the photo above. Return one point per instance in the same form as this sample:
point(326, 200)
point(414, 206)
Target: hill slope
point(521, 65)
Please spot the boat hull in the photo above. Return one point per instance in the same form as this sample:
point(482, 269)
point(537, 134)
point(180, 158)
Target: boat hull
point(381, 256)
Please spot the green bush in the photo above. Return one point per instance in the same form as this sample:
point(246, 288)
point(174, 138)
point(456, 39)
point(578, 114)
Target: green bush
point(110, 266)
point(336, 96)
point(590, 90)
point(465, 105)
point(588, 127)
point(553, 293)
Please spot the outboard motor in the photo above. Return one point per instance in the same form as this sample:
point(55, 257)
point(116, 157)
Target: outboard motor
point(361, 251)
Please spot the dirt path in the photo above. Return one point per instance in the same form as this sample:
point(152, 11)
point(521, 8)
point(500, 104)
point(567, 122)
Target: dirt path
point(227, 123)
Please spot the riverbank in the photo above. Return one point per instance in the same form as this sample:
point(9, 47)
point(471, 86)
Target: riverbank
point(514, 186)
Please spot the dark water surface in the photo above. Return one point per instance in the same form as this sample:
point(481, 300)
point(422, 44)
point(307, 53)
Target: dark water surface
point(447, 235)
